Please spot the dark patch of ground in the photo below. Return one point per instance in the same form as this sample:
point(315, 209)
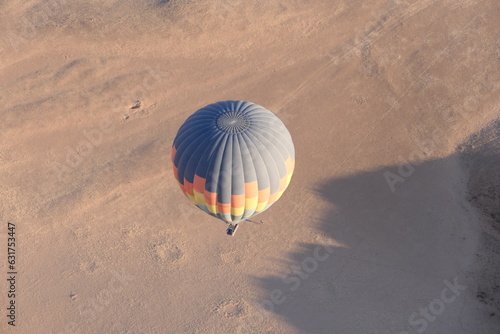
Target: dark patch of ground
point(480, 155)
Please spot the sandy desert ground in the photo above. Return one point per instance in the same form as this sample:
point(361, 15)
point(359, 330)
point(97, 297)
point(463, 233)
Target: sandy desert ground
point(391, 222)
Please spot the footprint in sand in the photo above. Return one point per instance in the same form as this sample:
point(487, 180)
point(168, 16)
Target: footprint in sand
point(320, 290)
point(232, 257)
point(88, 266)
point(166, 251)
point(230, 308)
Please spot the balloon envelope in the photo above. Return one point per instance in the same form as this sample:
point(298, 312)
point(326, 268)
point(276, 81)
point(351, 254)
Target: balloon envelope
point(233, 159)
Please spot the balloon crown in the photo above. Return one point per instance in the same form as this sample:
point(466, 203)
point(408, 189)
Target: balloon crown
point(233, 122)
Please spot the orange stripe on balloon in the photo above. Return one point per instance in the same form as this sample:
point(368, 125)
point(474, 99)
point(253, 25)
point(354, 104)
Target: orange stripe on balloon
point(199, 184)
point(237, 201)
point(224, 207)
point(174, 151)
point(251, 189)
point(188, 187)
point(176, 173)
point(210, 198)
point(264, 195)
point(272, 198)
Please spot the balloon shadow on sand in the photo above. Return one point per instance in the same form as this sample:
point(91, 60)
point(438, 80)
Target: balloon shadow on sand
point(395, 238)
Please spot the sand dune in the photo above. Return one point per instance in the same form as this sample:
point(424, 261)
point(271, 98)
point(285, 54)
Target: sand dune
point(393, 108)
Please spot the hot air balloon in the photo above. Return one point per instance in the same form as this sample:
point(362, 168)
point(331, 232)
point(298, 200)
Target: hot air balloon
point(233, 160)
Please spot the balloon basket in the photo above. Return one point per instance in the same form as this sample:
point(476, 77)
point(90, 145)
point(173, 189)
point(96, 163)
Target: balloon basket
point(231, 230)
